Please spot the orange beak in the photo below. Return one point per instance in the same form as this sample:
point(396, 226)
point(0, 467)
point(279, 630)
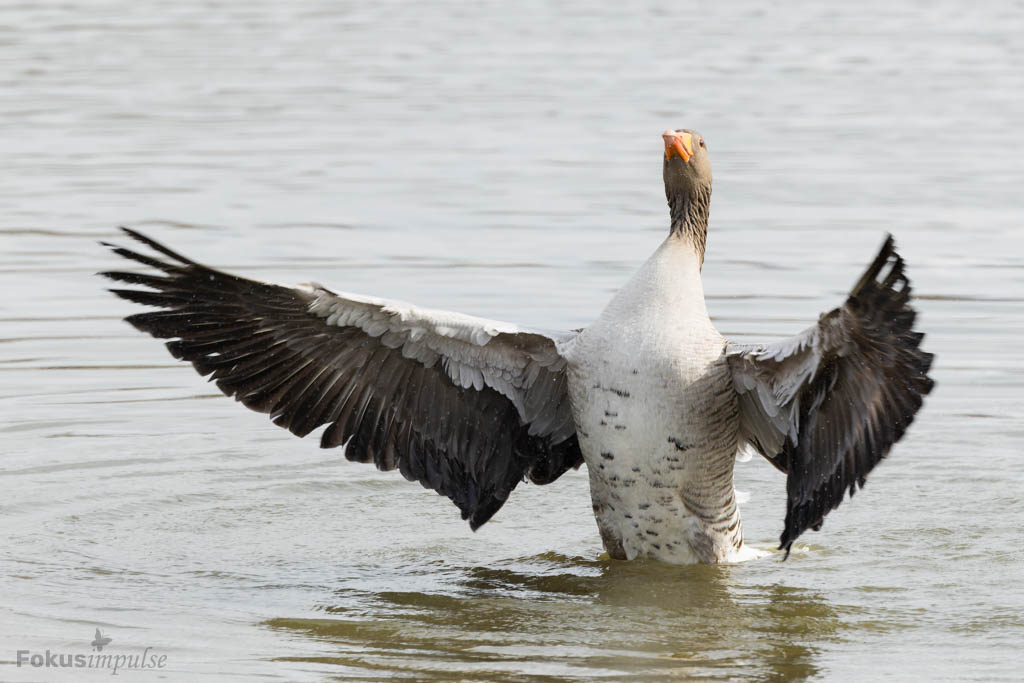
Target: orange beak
point(678, 144)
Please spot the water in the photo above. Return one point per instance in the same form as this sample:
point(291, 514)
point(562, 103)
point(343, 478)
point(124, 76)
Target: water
point(502, 162)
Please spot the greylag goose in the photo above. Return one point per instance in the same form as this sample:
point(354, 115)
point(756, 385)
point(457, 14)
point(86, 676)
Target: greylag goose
point(650, 396)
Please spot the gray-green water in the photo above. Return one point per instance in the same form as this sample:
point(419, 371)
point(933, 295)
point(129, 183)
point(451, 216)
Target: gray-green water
point(505, 162)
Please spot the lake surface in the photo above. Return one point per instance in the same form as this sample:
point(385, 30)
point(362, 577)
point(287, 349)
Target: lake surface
point(502, 162)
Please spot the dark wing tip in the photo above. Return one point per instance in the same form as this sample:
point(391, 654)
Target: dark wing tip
point(145, 259)
point(798, 521)
point(156, 246)
point(886, 253)
point(169, 290)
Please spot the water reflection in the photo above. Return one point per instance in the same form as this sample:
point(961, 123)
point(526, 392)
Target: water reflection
point(560, 617)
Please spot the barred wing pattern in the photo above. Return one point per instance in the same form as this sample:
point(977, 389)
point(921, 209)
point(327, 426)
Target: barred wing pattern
point(827, 405)
point(468, 407)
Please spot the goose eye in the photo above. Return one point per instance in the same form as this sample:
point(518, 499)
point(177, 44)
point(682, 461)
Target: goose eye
point(702, 142)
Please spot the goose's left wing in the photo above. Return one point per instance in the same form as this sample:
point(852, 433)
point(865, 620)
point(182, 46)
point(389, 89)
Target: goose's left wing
point(826, 406)
point(466, 406)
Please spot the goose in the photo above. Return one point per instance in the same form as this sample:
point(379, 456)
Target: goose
point(650, 397)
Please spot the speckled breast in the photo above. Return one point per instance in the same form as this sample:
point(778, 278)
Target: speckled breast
point(657, 424)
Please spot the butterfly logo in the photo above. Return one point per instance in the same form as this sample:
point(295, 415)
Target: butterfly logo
point(99, 641)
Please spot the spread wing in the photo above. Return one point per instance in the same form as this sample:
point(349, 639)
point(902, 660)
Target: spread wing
point(826, 405)
point(466, 406)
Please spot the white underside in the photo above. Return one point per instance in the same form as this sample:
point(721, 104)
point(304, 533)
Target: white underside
point(656, 417)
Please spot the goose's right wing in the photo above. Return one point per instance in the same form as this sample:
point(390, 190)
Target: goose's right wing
point(826, 405)
point(466, 406)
